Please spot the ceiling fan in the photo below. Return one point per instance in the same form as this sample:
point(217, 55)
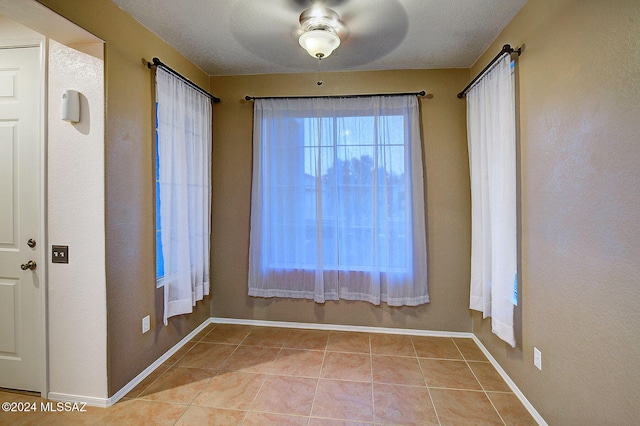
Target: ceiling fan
point(364, 30)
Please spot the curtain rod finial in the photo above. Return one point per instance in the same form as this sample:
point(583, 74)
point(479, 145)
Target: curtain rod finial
point(155, 62)
point(508, 48)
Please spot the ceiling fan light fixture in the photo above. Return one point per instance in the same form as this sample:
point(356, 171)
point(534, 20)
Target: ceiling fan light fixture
point(319, 43)
point(319, 37)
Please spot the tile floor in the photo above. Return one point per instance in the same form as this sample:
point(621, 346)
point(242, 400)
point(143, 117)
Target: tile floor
point(238, 374)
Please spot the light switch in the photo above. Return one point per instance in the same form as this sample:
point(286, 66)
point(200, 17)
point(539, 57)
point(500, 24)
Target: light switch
point(60, 254)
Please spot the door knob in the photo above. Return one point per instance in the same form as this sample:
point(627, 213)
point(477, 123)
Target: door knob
point(29, 265)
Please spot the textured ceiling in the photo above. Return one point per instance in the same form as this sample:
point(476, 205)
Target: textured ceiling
point(234, 37)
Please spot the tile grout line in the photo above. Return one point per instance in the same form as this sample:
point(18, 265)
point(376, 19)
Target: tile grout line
point(315, 393)
point(264, 380)
point(248, 410)
point(479, 382)
point(210, 379)
point(373, 397)
point(426, 385)
point(237, 345)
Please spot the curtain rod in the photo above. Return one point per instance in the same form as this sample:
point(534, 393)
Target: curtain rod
point(158, 63)
point(251, 98)
point(505, 49)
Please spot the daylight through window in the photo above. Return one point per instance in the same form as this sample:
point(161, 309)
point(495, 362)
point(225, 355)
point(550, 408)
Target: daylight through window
point(338, 210)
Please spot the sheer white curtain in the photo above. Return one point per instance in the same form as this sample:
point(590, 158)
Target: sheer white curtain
point(492, 162)
point(184, 175)
point(337, 200)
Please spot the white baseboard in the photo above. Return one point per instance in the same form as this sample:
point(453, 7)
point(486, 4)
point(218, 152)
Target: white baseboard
point(336, 327)
point(79, 399)
point(530, 408)
point(133, 383)
point(106, 402)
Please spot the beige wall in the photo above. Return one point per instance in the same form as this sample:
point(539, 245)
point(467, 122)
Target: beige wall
point(131, 292)
point(447, 195)
point(580, 170)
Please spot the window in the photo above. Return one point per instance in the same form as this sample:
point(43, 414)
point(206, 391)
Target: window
point(159, 256)
point(337, 207)
point(183, 193)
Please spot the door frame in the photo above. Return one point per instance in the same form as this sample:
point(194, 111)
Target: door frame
point(42, 211)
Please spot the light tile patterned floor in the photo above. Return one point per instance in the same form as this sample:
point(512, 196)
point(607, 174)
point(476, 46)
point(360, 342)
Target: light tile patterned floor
point(246, 375)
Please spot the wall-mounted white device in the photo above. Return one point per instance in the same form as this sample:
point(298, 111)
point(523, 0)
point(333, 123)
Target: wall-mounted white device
point(70, 107)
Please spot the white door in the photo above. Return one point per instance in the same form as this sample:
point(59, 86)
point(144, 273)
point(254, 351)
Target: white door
point(21, 287)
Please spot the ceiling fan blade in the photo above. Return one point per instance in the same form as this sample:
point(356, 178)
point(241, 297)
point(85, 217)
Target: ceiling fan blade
point(301, 5)
point(373, 31)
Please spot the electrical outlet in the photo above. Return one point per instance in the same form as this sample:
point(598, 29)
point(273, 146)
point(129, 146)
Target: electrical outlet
point(146, 324)
point(537, 358)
